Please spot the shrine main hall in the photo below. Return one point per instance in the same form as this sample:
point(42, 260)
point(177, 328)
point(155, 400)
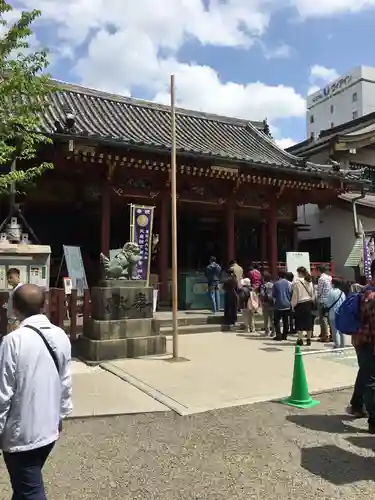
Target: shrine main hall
point(238, 192)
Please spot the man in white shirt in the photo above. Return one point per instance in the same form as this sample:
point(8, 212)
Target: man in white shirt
point(13, 277)
point(35, 392)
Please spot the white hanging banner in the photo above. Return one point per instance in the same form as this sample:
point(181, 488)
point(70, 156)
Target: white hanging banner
point(294, 260)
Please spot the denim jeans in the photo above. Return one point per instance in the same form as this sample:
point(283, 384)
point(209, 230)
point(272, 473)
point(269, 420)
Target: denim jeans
point(268, 318)
point(213, 291)
point(364, 388)
point(25, 472)
point(338, 337)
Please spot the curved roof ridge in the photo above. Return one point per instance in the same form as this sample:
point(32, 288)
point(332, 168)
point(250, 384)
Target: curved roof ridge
point(135, 101)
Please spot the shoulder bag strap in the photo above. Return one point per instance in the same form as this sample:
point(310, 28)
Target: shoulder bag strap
point(49, 348)
point(308, 293)
point(333, 305)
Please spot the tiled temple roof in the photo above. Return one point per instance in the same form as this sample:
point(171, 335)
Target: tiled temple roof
point(348, 132)
point(125, 121)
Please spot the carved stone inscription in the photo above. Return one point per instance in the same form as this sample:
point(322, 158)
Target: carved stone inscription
point(121, 303)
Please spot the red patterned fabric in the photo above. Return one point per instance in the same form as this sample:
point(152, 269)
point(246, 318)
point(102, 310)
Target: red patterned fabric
point(366, 334)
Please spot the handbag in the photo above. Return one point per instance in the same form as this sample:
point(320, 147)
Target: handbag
point(49, 348)
point(313, 300)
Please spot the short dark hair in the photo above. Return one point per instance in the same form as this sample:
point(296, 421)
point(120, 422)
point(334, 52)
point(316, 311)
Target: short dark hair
point(282, 274)
point(267, 276)
point(337, 283)
point(322, 268)
point(362, 280)
point(255, 266)
point(289, 276)
point(13, 270)
point(28, 300)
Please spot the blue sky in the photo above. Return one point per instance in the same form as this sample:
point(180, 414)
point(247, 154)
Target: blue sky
point(247, 58)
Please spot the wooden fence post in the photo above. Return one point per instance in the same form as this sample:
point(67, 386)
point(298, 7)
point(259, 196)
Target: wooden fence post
point(73, 309)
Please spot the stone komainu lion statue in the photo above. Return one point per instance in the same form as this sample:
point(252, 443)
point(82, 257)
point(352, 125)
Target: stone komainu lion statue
point(124, 265)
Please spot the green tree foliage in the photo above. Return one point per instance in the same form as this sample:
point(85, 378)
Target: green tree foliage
point(24, 93)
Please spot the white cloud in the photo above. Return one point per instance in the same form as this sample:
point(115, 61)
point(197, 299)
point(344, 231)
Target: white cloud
point(115, 64)
point(319, 77)
point(320, 73)
point(311, 90)
point(285, 143)
point(120, 47)
point(282, 51)
point(325, 8)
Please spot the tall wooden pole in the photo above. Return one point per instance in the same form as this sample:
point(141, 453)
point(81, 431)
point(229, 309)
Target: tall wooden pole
point(174, 222)
point(12, 192)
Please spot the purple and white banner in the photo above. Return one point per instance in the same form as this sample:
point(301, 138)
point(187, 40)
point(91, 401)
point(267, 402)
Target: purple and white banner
point(141, 223)
point(367, 257)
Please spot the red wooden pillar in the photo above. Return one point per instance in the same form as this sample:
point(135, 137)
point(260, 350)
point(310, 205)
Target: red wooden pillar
point(231, 243)
point(105, 219)
point(163, 246)
point(272, 238)
point(263, 242)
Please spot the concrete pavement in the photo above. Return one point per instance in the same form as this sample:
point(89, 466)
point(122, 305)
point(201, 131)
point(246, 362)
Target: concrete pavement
point(99, 393)
point(231, 369)
point(262, 451)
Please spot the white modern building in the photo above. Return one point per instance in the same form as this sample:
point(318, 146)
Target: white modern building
point(345, 99)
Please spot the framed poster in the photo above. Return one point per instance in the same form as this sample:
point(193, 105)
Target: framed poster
point(76, 270)
point(294, 260)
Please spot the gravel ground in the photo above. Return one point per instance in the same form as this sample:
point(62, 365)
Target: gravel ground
point(259, 451)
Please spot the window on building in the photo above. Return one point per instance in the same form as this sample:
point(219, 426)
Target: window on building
point(332, 124)
point(355, 115)
point(318, 248)
point(311, 118)
point(355, 97)
point(332, 109)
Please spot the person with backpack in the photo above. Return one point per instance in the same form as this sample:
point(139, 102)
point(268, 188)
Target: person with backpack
point(267, 302)
point(356, 317)
point(303, 304)
point(335, 298)
point(255, 276)
point(282, 295)
point(213, 275)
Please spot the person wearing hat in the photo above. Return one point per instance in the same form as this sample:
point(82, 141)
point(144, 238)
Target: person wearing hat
point(249, 304)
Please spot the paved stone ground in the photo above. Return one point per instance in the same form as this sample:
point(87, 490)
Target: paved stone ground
point(229, 369)
point(264, 451)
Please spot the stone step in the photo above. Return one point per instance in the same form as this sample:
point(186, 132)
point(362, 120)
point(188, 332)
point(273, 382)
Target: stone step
point(201, 319)
point(192, 329)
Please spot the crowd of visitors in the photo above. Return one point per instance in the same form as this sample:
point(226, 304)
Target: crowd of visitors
point(290, 305)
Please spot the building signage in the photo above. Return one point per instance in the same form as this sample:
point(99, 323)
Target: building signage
point(334, 87)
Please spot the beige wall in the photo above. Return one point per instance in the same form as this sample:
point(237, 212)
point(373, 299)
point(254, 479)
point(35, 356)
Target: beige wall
point(337, 224)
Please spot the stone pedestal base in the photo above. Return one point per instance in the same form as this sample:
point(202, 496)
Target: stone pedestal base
point(121, 323)
point(97, 351)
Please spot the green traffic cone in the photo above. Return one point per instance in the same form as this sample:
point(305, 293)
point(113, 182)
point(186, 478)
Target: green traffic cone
point(300, 397)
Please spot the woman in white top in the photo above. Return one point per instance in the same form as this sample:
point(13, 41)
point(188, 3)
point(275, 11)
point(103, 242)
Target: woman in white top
point(303, 303)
